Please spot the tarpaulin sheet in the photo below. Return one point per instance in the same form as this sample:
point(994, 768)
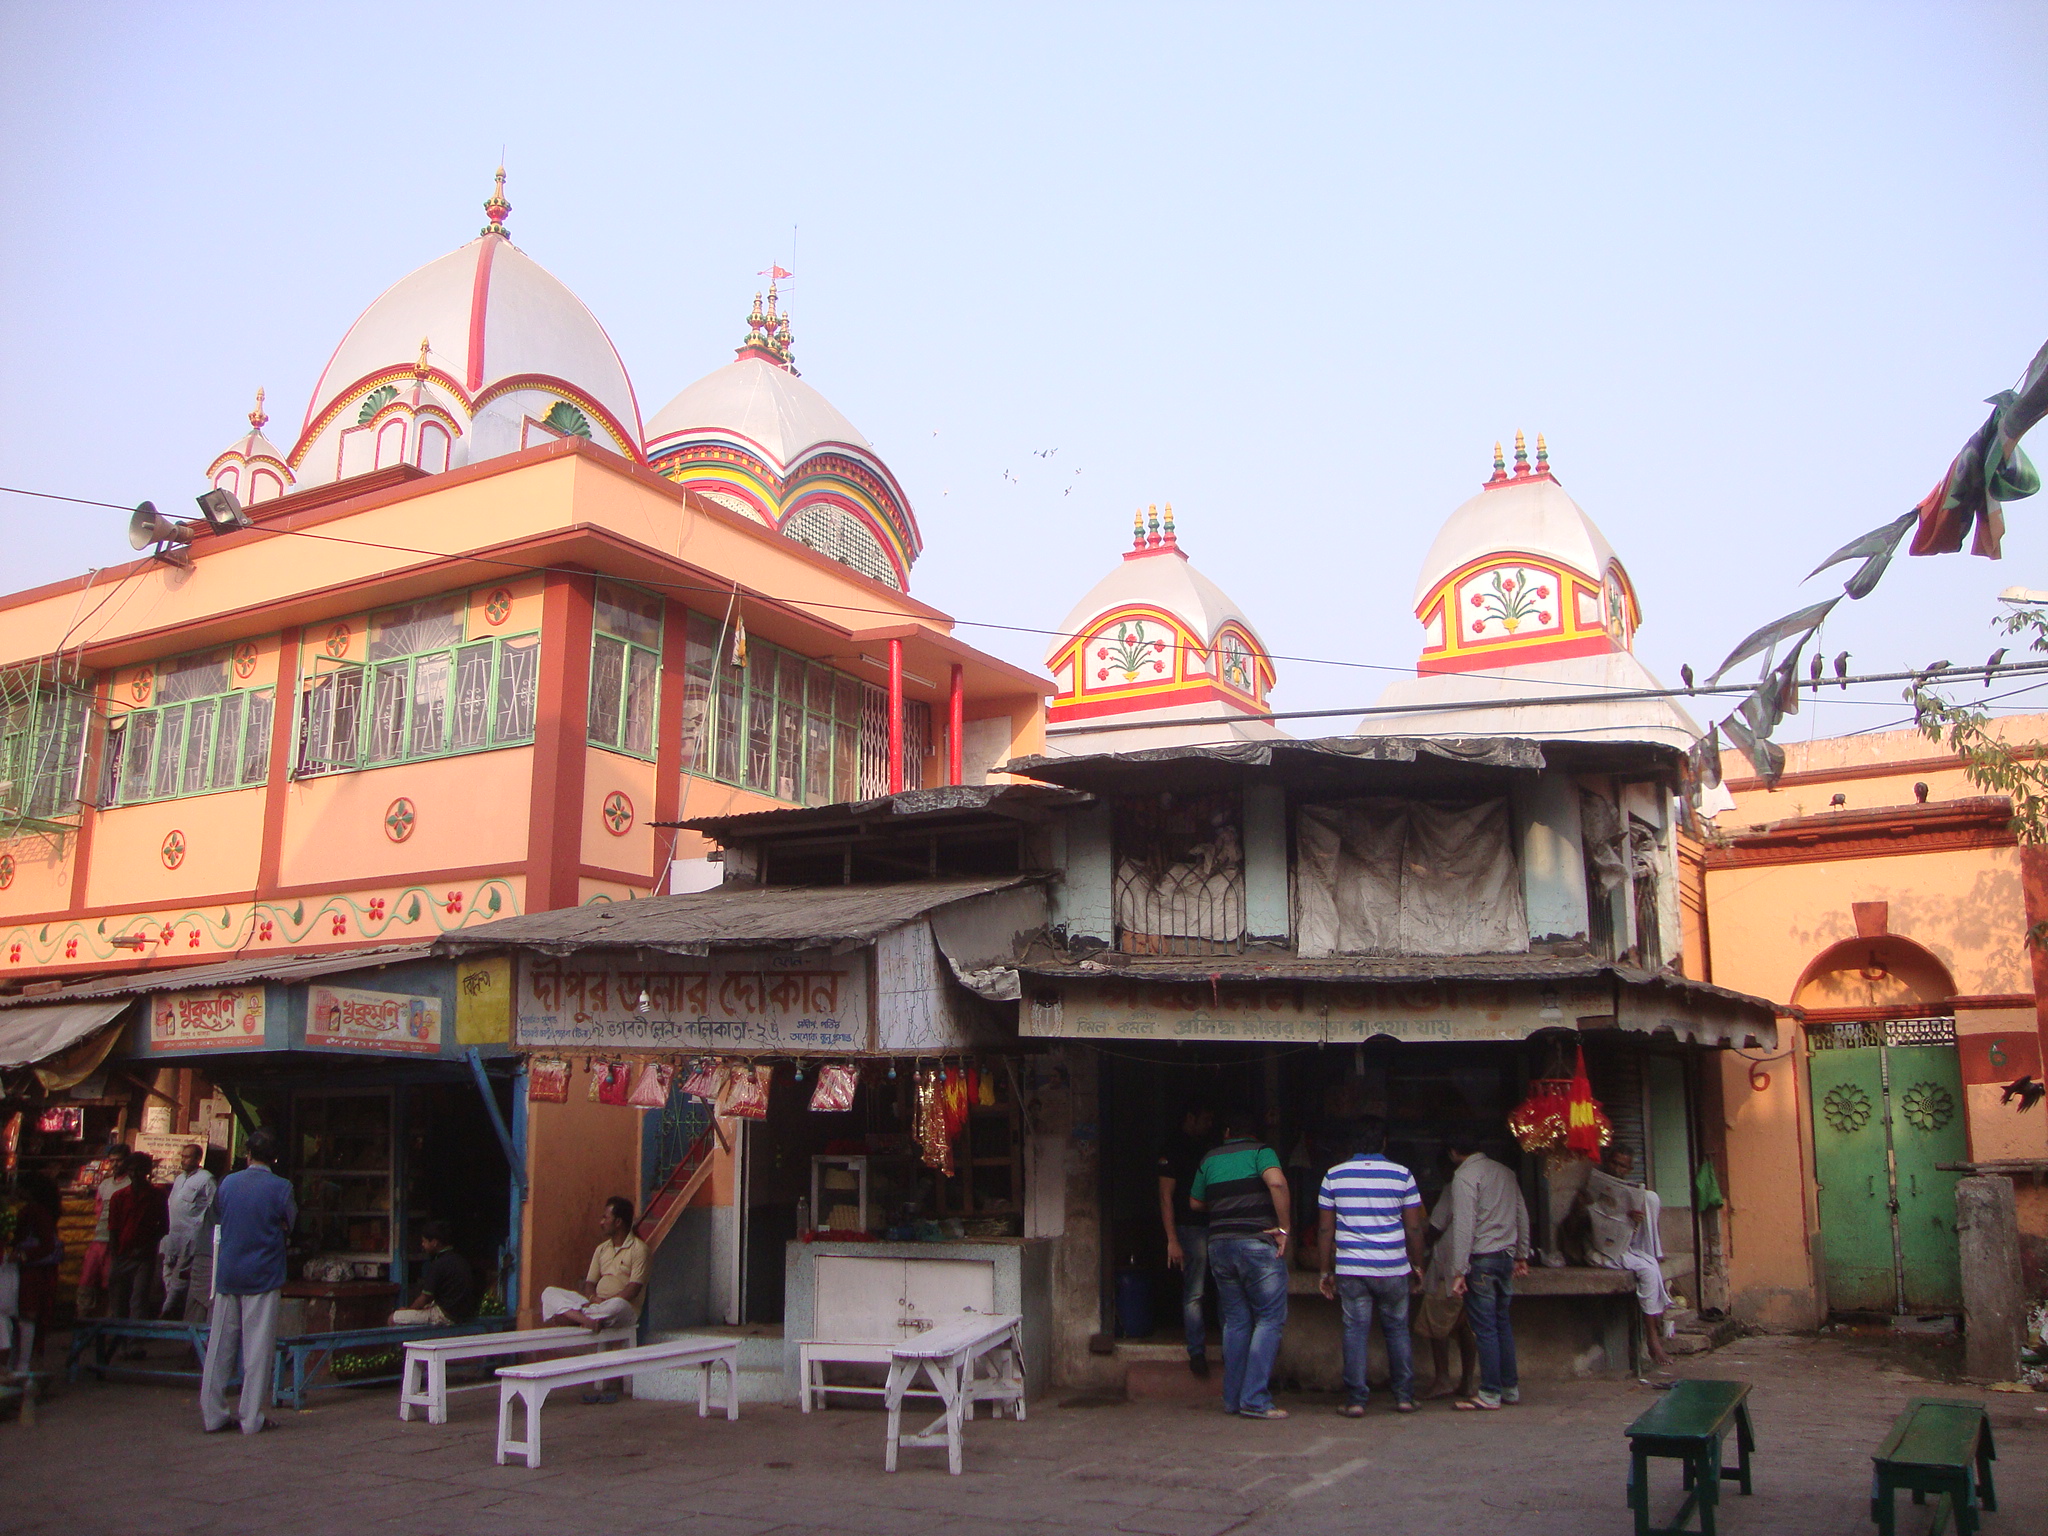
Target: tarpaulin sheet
point(30, 1034)
point(1386, 876)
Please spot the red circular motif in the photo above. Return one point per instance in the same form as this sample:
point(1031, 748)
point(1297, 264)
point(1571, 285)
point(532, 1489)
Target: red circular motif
point(245, 659)
point(337, 640)
point(6, 870)
point(173, 850)
point(498, 606)
point(399, 819)
point(139, 686)
point(618, 814)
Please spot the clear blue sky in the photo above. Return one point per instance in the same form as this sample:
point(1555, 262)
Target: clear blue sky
point(1751, 268)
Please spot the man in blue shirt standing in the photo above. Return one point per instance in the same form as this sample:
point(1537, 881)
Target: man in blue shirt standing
point(256, 1211)
point(1372, 1256)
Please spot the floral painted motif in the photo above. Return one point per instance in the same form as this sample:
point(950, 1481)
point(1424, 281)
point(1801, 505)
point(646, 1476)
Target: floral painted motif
point(1130, 653)
point(173, 851)
point(245, 660)
point(498, 606)
point(618, 814)
point(400, 818)
point(1235, 660)
point(1847, 1108)
point(1510, 600)
point(337, 640)
point(6, 870)
point(1928, 1106)
point(339, 923)
point(140, 684)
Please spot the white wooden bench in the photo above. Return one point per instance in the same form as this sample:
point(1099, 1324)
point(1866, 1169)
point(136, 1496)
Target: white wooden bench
point(952, 1357)
point(814, 1355)
point(531, 1384)
point(425, 1381)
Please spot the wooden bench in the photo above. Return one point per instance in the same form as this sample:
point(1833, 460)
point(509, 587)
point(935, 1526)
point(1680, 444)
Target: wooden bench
point(424, 1383)
point(951, 1357)
point(813, 1355)
point(1939, 1447)
point(1689, 1423)
point(531, 1384)
point(100, 1334)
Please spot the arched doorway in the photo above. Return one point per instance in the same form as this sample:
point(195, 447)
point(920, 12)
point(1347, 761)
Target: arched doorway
point(1887, 1098)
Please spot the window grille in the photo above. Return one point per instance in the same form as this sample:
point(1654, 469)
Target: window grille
point(1179, 884)
point(201, 735)
point(1860, 1034)
point(406, 706)
point(45, 725)
point(625, 669)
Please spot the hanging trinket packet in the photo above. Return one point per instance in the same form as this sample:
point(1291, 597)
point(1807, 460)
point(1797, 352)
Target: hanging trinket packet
point(651, 1091)
point(835, 1090)
point(610, 1082)
point(547, 1080)
point(702, 1083)
point(745, 1092)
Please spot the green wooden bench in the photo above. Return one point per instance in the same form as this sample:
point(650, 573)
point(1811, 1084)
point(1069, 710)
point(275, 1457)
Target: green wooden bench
point(1939, 1447)
point(1689, 1424)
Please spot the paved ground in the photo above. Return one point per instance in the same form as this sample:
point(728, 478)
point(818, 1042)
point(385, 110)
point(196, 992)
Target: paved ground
point(116, 1459)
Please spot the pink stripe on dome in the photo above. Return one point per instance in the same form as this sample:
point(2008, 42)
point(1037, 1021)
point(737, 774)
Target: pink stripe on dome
point(479, 301)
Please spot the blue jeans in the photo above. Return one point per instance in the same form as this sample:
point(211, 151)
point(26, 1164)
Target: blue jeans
point(1360, 1296)
point(1251, 1293)
point(1489, 1285)
point(1194, 1280)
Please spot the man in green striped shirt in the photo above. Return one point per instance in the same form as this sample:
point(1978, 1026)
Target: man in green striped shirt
point(1241, 1186)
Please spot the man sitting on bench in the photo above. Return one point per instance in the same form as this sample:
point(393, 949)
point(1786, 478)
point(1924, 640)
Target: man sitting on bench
point(617, 1277)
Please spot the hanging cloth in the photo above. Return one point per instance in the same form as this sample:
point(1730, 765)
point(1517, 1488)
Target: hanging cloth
point(934, 1146)
point(955, 1101)
point(1587, 1130)
point(702, 1082)
point(612, 1083)
point(547, 1080)
point(745, 1092)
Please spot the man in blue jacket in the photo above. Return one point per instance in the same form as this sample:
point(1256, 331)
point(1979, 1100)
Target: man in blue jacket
point(256, 1211)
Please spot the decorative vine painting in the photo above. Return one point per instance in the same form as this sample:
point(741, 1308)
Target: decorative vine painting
point(1510, 600)
point(235, 927)
point(1129, 653)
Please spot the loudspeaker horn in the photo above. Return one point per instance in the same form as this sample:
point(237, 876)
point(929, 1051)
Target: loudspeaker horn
point(149, 526)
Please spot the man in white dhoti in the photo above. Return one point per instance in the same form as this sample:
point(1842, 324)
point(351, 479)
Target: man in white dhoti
point(616, 1279)
point(1625, 1224)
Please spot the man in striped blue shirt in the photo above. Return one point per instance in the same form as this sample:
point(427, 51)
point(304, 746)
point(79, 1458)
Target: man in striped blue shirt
point(1372, 1257)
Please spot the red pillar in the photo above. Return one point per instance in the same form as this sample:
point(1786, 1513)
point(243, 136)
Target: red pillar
point(956, 720)
point(895, 717)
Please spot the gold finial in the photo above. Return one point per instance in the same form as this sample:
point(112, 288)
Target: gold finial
point(1152, 526)
point(496, 206)
point(1171, 542)
point(1542, 455)
point(1138, 528)
point(257, 419)
point(1500, 466)
point(419, 369)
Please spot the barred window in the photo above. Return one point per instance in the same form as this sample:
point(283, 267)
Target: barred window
point(625, 669)
point(189, 744)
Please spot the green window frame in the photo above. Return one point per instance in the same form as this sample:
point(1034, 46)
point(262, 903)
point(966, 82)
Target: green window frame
point(424, 691)
point(625, 669)
point(200, 737)
point(782, 725)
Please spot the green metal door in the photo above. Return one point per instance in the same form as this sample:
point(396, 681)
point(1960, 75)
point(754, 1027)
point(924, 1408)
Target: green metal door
point(1887, 1108)
point(1850, 1170)
point(1927, 1128)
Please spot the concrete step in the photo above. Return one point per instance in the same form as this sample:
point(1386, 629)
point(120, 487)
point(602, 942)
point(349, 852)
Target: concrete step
point(1696, 1335)
point(761, 1378)
point(1160, 1374)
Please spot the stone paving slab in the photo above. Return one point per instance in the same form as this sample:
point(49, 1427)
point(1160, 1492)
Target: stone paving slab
point(110, 1459)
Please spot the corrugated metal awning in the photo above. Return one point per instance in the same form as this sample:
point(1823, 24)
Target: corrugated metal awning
point(703, 922)
point(30, 1035)
point(231, 974)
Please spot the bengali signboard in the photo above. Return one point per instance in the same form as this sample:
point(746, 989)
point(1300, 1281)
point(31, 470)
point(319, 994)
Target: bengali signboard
point(809, 1003)
point(224, 1018)
point(1325, 1013)
point(388, 1022)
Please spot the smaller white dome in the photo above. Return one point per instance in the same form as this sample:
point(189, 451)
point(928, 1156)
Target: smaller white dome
point(1530, 516)
point(763, 404)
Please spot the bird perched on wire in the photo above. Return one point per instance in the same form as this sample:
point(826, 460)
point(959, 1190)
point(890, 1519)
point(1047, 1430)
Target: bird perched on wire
point(2027, 1090)
point(1991, 662)
point(1685, 672)
point(1813, 671)
point(1842, 670)
point(1933, 667)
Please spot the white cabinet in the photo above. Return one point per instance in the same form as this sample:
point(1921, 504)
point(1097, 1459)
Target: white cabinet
point(879, 1300)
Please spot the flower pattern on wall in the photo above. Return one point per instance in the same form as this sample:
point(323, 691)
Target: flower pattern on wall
point(1130, 653)
point(173, 850)
point(400, 818)
point(1510, 600)
point(618, 813)
point(1847, 1108)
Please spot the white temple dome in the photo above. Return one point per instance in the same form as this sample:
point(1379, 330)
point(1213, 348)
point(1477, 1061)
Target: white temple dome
point(763, 404)
point(500, 352)
point(1533, 516)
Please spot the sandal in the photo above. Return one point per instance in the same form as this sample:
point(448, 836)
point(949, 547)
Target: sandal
point(1351, 1411)
point(1475, 1405)
point(1270, 1413)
